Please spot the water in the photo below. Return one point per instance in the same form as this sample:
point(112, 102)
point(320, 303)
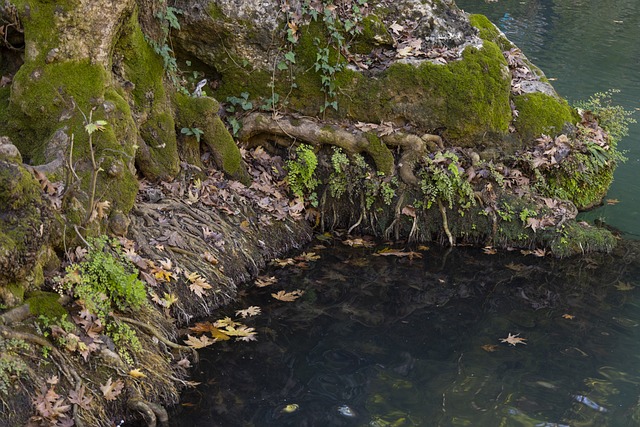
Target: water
point(382, 341)
point(587, 46)
point(388, 341)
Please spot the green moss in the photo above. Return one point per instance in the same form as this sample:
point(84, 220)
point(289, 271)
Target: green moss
point(575, 239)
point(542, 114)
point(202, 113)
point(585, 188)
point(43, 93)
point(158, 159)
point(19, 188)
point(489, 32)
point(381, 154)
point(215, 11)
point(46, 304)
point(374, 34)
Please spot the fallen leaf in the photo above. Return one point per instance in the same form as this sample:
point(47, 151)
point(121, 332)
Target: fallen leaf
point(612, 201)
point(250, 311)
point(623, 286)
point(490, 347)
point(399, 253)
point(288, 296)
point(282, 262)
point(489, 250)
point(513, 339)
point(111, 389)
point(358, 243)
point(78, 398)
point(263, 281)
point(396, 28)
point(568, 316)
point(203, 341)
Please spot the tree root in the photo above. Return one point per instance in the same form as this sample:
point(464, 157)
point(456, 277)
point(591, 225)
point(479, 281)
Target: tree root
point(259, 127)
point(445, 223)
point(153, 413)
point(156, 333)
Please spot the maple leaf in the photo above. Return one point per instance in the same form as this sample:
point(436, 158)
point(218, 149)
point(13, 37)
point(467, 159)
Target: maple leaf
point(262, 281)
point(409, 211)
point(623, 286)
point(513, 339)
point(308, 256)
point(201, 342)
point(100, 210)
point(612, 201)
point(288, 296)
point(282, 262)
point(250, 311)
point(79, 398)
point(568, 316)
point(226, 322)
point(396, 28)
point(198, 284)
point(111, 389)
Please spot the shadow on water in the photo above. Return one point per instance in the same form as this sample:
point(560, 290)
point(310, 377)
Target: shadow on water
point(387, 341)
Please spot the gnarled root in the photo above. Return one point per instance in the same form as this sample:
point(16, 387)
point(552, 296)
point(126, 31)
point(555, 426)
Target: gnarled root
point(151, 412)
point(259, 126)
point(445, 223)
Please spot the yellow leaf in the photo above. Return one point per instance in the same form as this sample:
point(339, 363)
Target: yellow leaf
point(136, 373)
point(568, 316)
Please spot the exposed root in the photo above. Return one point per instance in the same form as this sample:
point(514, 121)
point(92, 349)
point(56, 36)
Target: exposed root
point(257, 125)
point(445, 223)
point(151, 412)
point(156, 333)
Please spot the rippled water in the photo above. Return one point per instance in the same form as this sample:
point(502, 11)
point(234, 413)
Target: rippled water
point(587, 46)
point(382, 341)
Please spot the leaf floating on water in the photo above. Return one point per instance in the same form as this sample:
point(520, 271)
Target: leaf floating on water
point(308, 256)
point(358, 243)
point(612, 201)
point(203, 341)
point(282, 262)
point(513, 339)
point(568, 316)
point(263, 281)
point(516, 267)
point(490, 348)
point(489, 250)
point(288, 296)
point(247, 312)
point(623, 286)
point(398, 253)
point(290, 408)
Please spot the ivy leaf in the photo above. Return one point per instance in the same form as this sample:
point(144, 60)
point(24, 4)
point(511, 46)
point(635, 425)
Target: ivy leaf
point(290, 56)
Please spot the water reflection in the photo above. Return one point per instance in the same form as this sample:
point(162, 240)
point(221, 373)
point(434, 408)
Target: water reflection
point(586, 47)
point(384, 341)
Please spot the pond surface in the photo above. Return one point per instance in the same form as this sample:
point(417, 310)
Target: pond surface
point(393, 341)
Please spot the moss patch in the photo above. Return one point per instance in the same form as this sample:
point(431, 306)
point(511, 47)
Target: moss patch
point(542, 114)
point(202, 113)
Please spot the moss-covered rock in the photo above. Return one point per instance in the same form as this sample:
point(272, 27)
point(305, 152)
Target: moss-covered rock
point(539, 114)
point(26, 228)
point(200, 115)
point(142, 71)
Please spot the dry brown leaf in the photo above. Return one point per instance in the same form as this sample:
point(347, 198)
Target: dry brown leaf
point(202, 342)
point(288, 296)
point(263, 281)
point(111, 389)
point(250, 311)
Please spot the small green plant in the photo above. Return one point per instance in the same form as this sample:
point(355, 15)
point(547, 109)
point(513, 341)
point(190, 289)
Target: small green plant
point(613, 118)
point(442, 180)
point(242, 102)
point(197, 132)
point(300, 172)
point(338, 178)
point(106, 280)
point(11, 365)
point(525, 214)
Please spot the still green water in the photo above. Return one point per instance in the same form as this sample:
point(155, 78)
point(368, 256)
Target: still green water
point(386, 341)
